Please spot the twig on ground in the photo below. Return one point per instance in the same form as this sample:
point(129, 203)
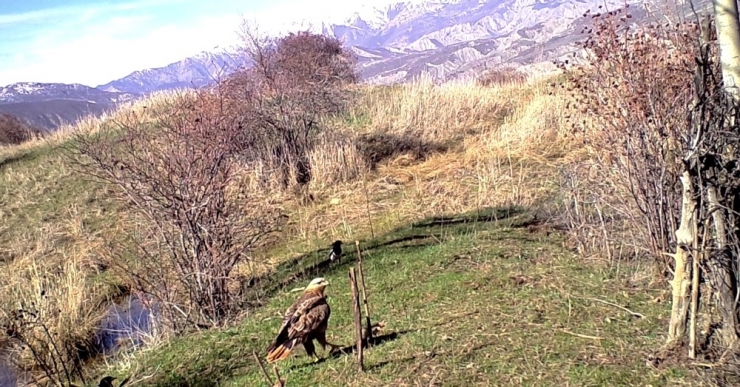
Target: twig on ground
point(262, 368)
point(614, 305)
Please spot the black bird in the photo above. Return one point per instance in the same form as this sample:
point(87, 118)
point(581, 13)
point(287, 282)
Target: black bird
point(108, 382)
point(336, 251)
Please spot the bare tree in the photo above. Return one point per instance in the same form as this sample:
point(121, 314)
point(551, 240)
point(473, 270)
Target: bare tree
point(176, 169)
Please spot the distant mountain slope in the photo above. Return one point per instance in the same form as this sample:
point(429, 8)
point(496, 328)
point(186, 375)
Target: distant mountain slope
point(54, 113)
point(50, 105)
point(35, 92)
point(446, 39)
point(197, 71)
point(453, 38)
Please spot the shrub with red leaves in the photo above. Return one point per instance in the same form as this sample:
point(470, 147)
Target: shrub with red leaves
point(295, 82)
point(13, 131)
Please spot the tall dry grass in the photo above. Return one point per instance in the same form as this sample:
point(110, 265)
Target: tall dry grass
point(55, 226)
point(503, 145)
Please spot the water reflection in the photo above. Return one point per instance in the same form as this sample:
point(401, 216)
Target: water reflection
point(126, 323)
point(8, 376)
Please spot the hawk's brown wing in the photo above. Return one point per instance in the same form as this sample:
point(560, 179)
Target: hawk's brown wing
point(302, 318)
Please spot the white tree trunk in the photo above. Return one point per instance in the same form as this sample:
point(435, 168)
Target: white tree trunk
point(680, 283)
point(728, 36)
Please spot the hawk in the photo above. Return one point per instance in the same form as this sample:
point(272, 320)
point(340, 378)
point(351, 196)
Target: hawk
point(306, 320)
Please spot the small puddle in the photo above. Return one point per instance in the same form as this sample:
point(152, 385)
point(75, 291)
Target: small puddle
point(126, 323)
point(8, 373)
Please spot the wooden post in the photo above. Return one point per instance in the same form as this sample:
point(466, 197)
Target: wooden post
point(358, 317)
point(262, 368)
point(368, 324)
point(280, 381)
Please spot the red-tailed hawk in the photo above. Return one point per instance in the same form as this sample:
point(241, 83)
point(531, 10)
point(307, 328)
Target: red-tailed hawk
point(306, 320)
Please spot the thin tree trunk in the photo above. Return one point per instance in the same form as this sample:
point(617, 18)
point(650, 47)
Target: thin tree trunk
point(720, 273)
point(728, 37)
point(680, 282)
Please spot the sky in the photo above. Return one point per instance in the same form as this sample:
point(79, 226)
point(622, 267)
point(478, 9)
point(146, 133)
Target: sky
point(93, 42)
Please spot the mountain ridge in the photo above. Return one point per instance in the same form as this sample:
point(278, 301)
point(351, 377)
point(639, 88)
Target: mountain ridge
point(444, 39)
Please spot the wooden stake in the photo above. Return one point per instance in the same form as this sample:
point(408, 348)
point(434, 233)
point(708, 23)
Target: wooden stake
point(368, 324)
point(358, 317)
point(280, 382)
point(698, 254)
point(262, 368)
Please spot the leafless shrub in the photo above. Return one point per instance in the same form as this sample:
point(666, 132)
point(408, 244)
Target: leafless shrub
point(14, 132)
point(177, 172)
point(635, 95)
point(58, 358)
point(294, 84)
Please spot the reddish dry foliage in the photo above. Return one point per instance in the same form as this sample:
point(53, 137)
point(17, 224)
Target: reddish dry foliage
point(178, 174)
point(635, 94)
point(14, 132)
point(295, 82)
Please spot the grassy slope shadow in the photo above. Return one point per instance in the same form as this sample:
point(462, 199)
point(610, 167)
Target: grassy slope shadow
point(475, 299)
point(295, 272)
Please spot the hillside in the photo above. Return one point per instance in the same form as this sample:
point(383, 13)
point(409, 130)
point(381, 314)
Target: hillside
point(500, 240)
point(476, 299)
point(472, 286)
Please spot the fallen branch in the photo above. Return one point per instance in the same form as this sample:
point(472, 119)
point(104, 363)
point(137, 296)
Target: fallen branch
point(581, 336)
point(614, 305)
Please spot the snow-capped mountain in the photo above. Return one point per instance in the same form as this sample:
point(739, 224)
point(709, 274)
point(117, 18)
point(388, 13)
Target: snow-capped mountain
point(446, 39)
point(34, 92)
point(50, 105)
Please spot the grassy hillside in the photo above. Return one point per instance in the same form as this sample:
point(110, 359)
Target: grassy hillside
point(477, 299)
point(480, 298)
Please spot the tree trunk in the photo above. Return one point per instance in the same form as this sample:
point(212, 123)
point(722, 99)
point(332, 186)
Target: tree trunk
point(720, 273)
point(728, 37)
point(680, 283)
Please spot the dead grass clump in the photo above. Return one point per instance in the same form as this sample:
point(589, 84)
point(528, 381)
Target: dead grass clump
point(501, 76)
point(50, 308)
point(379, 147)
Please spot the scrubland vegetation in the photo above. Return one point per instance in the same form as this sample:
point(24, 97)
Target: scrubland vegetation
point(515, 231)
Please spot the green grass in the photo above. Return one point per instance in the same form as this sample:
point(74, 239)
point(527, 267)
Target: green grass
point(468, 300)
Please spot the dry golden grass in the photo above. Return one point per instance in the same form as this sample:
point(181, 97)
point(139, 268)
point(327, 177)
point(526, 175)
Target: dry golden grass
point(510, 145)
point(502, 146)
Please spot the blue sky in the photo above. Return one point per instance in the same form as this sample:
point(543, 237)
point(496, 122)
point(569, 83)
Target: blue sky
point(93, 42)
